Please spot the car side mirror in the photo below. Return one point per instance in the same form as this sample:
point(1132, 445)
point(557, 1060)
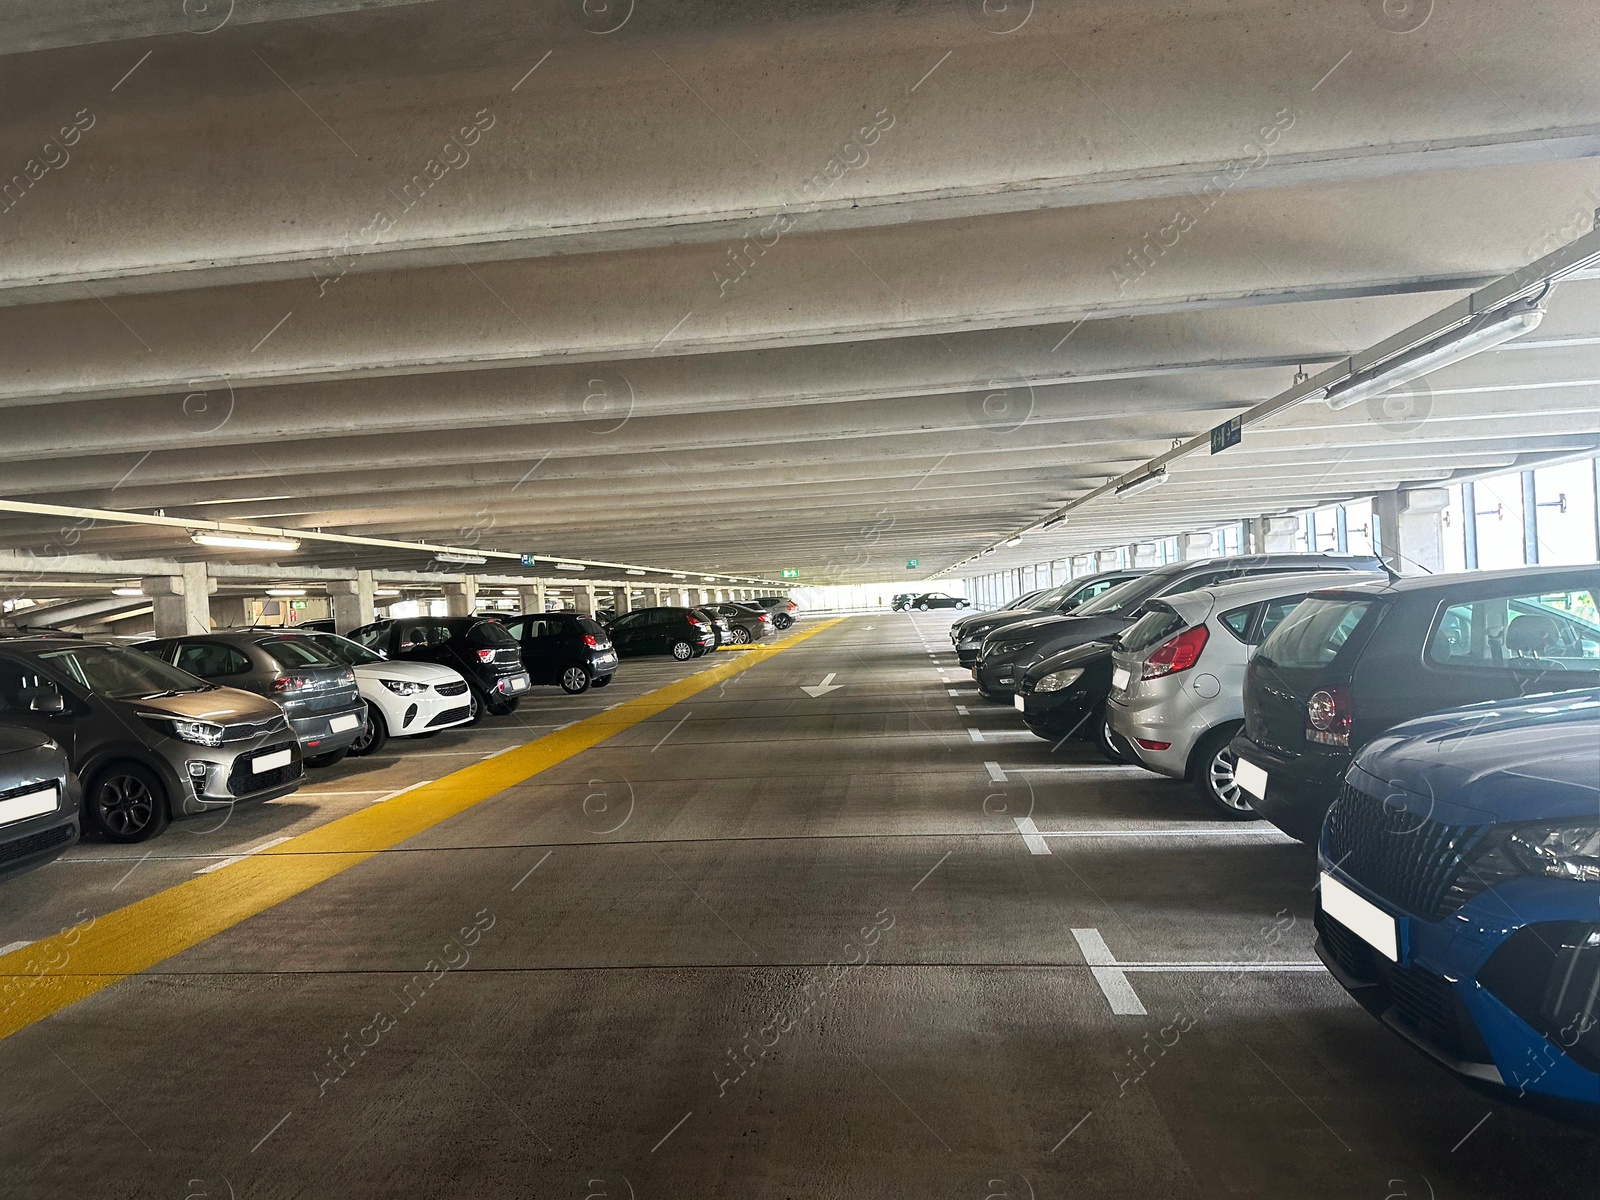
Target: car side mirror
point(50, 703)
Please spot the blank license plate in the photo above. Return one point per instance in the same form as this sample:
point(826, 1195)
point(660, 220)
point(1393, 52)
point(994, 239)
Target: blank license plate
point(1119, 679)
point(270, 762)
point(340, 724)
point(1251, 778)
point(1022, 705)
point(519, 683)
point(1361, 917)
point(33, 804)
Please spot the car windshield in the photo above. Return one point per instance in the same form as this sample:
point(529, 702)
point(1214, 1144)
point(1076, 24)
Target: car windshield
point(297, 652)
point(1312, 635)
point(342, 649)
point(1048, 599)
point(1126, 595)
point(121, 674)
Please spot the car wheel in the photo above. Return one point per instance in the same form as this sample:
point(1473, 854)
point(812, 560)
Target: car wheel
point(127, 803)
point(475, 708)
point(502, 708)
point(682, 651)
point(574, 680)
point(1214, 766)
point(783, 620)
point(923, 607)
point(740, 635)
point(1102, 739)
point(374, 734)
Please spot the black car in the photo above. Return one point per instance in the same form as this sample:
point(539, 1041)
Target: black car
point(684, 633)
point(746, 622)
point(926, 600)
point(901, 602)
point(39, 800)
point(1072, 701)
point(1348, 663)
point(1012, 649)
point(720, 626)
point(480, 648)
point(968, 632)
point(563, 648)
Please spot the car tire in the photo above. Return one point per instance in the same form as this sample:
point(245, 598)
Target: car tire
point(373, 736)
point(475, 707)
point(328, 759)
point(574, 680)
point(740, 636)
point(923, 607)
point(683, 651)
point(782, 621)
point(1212, 772)
point(126, 802)
point(1102, 739)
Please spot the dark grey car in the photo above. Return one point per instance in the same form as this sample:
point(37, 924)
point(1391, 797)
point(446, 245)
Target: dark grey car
point(39, 800)
point(747, 622)
point(968, 633)
point(317, 692)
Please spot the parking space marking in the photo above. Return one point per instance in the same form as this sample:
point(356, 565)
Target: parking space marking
point(995, 772)
point(410, 787)
point(1003, 735)
point(1222, 831)
point(228, 862)
point(7, 949)
point(962, 710)
point(975, 734)
point(1030, 835)
point(1113, 983)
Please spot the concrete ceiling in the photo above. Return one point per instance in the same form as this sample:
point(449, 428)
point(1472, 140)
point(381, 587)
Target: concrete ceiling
point(828, 286)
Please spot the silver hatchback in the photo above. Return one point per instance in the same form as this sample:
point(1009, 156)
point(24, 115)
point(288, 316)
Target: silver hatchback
point(1177, 683)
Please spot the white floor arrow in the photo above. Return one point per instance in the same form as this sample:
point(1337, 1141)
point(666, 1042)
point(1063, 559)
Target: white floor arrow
point(823, 688)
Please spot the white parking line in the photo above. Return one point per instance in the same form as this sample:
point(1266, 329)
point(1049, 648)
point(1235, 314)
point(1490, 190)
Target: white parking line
point(995, 773)
point(1113, 983)
point(1030, 835)
point(228, 862)
point(975, 734)
point(410, 787)
point(962, 709)
point(9, 947)
point(1222, 831)
point(1004, 735)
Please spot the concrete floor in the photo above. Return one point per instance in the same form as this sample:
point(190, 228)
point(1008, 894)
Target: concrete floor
point(759, 945)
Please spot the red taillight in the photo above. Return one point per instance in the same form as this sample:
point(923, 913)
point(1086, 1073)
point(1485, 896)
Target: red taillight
point(1147, 744)
point(1329, 714)
point(280, 683)
point(291, 683)
point(698, 624)
point(485, 655)
point(588, 640)
point(1176, 654)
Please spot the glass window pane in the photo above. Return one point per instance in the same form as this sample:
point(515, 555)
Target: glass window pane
point(1499, 517)
point(1565, 497)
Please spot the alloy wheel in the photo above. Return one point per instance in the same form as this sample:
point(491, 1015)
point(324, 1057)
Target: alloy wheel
point(574, 680)
point(682, 651)
point(1224, 786)
point(125, 805)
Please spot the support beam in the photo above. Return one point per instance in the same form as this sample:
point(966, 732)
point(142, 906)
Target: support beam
point(1411, 529)
point(532, 599)
point(352, 601)
point(622, 600)
point(461, 594)
point(1195, 545)
point(182, 602)
point(584, 599)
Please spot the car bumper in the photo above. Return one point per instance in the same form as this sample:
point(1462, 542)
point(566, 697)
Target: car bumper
point(601, 665)
point(424, 712)
point(203, 779)
point(1179, 727)
point(1480, 992)
point(1055, 715)
point(1300, 789)
point(325, 733)
point(997, 677)
point(514, 684)
point(33, 841)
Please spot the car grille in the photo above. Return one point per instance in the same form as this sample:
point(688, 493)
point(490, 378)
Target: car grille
point(244, 731)
point(450, 715)
point(242, 781)
point(1408, 859)
point(34, 843)
point(457, 688)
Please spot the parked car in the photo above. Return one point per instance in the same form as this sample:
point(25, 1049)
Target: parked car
point(150, 742)
point(1014, 648)
point(317, 692)
point(1064, 696)
point(1459, 869)
point(901, 602)
point(968, 632)
point(478, 648)
point(684, 633)
point(1349, 663)
point(746, 622)
point(927, 600)
point(565, 648)
point(1174, 699)
point(39, 798)
point(720, 627)
point(403, 699)
point(784, 610)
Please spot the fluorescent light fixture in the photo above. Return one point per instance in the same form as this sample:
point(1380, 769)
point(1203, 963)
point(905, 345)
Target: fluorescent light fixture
point(1477, 335)
point(445, 556)
point(708, 579)
point(127, 591)
point(286, 591)
point(561, 566)
point(385, 591)
point(1054, 521)
point(680, 577)
point(1142, 484)
point(990, 550)
point(240, 541)
point(508, 591)
point(1016, 541)
point(635, 571)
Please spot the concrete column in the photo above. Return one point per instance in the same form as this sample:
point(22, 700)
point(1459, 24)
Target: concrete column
point(1411, 529)
point(229, 612)
point(531, 598)
point(1250, 539)
point(1194, 545)
point(1276, 534)
point(653, 597)
point(352, 602)
point(182, 603)
point(462, 596)
point(583, 596)
point(1105, 560)
point(1141, 554)
point(622, 598)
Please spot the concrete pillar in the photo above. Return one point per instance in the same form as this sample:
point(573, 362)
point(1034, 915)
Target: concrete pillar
point(462, 596)
point(622, 598)
point(182, 603)
point(352, 602)
point(1141, 554)
point(583, 598)
point(684, 600)
point(1277, 534)
point(1250, 538)
point(531, 598)
point(1195, 545)
point(653, 597)
point(1411, 529)
point(229, 612)
point(1106, 560)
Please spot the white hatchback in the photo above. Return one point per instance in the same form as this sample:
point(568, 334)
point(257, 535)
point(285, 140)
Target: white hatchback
point(403, 698)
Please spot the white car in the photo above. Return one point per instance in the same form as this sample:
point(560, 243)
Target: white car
point(1177, 681)
point(403, 698)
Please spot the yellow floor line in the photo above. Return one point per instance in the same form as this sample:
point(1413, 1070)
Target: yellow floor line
point(45, 977)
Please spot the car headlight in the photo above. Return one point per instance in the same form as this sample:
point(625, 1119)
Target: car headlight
point(403, 687)
point(198, 733)
point(1559, 851)
point(1057, 680)
point(1011, 647)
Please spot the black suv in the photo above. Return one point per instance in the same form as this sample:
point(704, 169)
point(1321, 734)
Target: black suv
point(968, 632)
point(1012, 649)
point(684, 633)
point(480, 648)
point(39, 800)
point(564, 648)
point(1348, 663)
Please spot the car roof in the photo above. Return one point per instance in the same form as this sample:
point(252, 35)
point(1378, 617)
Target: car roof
point(1267, 587)
point(1456, 579)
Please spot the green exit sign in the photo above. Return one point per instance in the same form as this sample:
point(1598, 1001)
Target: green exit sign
point(790, 573)
point(297, 604)
point(911, 564)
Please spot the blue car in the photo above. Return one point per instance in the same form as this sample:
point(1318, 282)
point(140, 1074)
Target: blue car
point(1459, 898)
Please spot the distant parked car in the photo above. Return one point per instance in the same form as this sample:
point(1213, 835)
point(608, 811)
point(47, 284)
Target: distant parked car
point(720, 626)
point(39, 799)
point(901, 602)
point(1350, 662)
point(149, 742)
point(317, 692)
point(967, 633)
point(746, 622)
point(782, 608)
point(684, 633)
point(403, 699)
point(1175, 696)
point(926, 600)
point(1460, 865)
point(478, 648)
point(565, 648)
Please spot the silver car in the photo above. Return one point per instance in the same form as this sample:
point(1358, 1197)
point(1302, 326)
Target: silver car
point(1177, 682)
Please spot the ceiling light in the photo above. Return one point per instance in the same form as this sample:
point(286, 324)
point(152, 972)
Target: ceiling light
point(561, 566)
point(450, 556)
point(286, 591)
point(635, 571)
point(1016, 541)
point(127, 591)
point(385, 591)
point(240, 541)
point(680, 577)
point(1477, 335)
point(508, 591)
point(1054, 521)
point(708, 579)
point(1142, 484)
